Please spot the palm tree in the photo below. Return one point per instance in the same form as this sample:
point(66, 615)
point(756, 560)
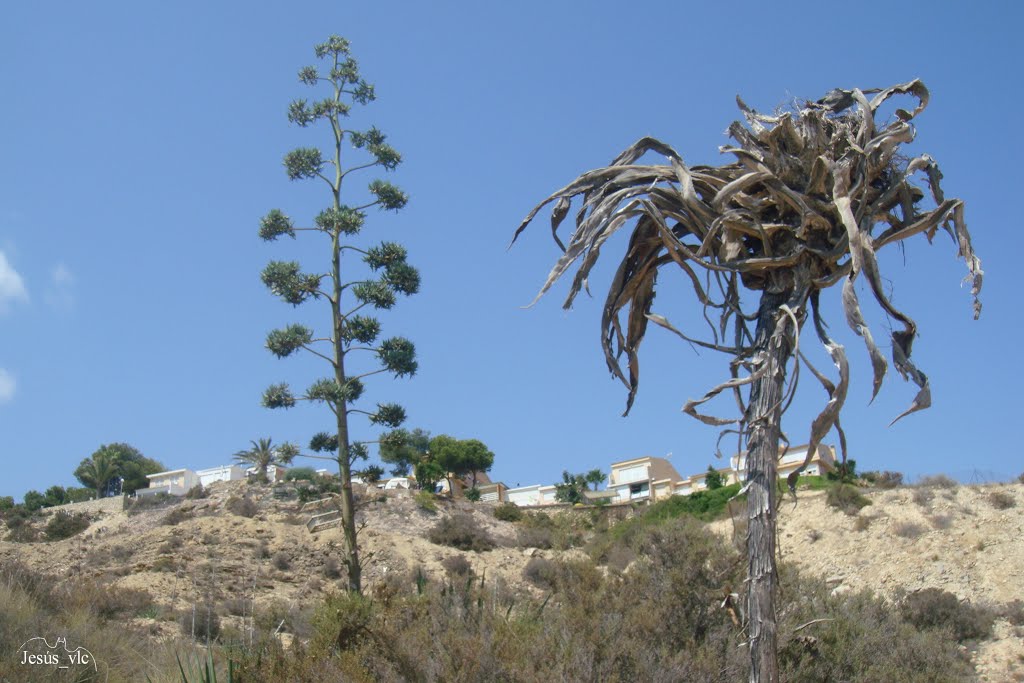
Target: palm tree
point(97, 472)
point(263, 454)
point(810, 198)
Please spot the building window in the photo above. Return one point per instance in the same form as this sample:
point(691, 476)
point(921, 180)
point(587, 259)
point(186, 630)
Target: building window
point(639, 491)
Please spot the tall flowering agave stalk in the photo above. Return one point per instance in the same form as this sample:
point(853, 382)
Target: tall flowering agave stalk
point(347, 290)
point(810, 198)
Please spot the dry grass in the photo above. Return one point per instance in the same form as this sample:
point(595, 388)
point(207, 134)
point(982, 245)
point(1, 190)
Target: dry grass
point(907, 530)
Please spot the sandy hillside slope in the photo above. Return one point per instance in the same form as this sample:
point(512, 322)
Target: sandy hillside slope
point(968, 540)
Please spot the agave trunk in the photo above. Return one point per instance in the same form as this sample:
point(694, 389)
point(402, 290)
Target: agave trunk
point(773, 344)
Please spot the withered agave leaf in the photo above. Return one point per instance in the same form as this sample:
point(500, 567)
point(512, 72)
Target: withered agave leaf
point(799, 204)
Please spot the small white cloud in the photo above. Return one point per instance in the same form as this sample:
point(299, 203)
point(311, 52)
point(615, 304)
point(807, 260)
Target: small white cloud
point(12, 287)
point(7, 386)
point(60, 293)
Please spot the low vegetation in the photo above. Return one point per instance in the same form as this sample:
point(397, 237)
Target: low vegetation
point(508, 512)
point(461, 531)
point(1002, 500)
point(847, 498)
point(931, 609)
point(65, 525)
point(243, 506)
point(667, 618)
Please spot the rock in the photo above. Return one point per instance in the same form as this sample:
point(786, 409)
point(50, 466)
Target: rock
point(530, 552)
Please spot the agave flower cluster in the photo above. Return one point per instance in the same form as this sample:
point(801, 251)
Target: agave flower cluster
point(349, 289)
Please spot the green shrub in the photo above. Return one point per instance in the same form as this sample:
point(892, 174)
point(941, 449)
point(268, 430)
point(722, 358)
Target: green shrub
point(461, 531)
point(321, 486)
point(663, 620)
point(300, 474)
point(508, 512)
point(65, 524)
point(473, 494)
point(426, 501)
point(21, 531)
point(859, 637)
point(847, 498)
point(934, 608)
point(713, 479)
point(705, 505)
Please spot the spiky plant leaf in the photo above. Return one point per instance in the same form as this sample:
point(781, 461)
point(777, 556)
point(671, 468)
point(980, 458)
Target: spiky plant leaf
point(278, 396)
point(286, 341)
point(275, 224)
point(389, 196)
point(304, 162)
point(360, 328)
point(377, 294)
point(389, 414)
point(398, 355)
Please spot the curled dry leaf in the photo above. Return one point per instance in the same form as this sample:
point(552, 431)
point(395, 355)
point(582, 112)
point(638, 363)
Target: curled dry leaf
point(810, 198)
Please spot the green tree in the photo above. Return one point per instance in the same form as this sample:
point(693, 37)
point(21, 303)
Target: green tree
point(477, 458)
point(845, 472)
point(574, 486)
point(460, 458)
point(78, 494)
point(56, 495)
point(403, 452)
point(129, 467)
point(371, 474)
point(810, 198)
point(713, 479)
point(33, 500)
point(6, 503)
point(98, 471)
point(263, 455)
point(428, 473)
point(345, 291)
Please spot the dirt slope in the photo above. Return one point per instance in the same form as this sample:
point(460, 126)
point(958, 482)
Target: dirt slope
point(959, 539)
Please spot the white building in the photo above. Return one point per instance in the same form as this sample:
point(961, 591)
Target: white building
point(220, 473)
point(174, 482)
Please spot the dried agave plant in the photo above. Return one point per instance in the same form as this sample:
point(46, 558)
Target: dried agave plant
point(812, 196)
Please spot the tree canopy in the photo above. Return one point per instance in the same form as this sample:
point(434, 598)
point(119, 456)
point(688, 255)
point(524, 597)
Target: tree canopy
point(403, 452)
point(263, 455)
point(113, 464)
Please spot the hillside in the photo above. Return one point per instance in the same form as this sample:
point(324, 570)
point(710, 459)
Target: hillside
point(200, 552)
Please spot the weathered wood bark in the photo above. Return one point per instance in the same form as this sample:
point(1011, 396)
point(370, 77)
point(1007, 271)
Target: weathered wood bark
point(772, 343)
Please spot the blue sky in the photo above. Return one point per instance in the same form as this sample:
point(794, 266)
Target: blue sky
point(142, 142)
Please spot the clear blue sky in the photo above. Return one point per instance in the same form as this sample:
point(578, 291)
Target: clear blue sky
point(142, 142)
